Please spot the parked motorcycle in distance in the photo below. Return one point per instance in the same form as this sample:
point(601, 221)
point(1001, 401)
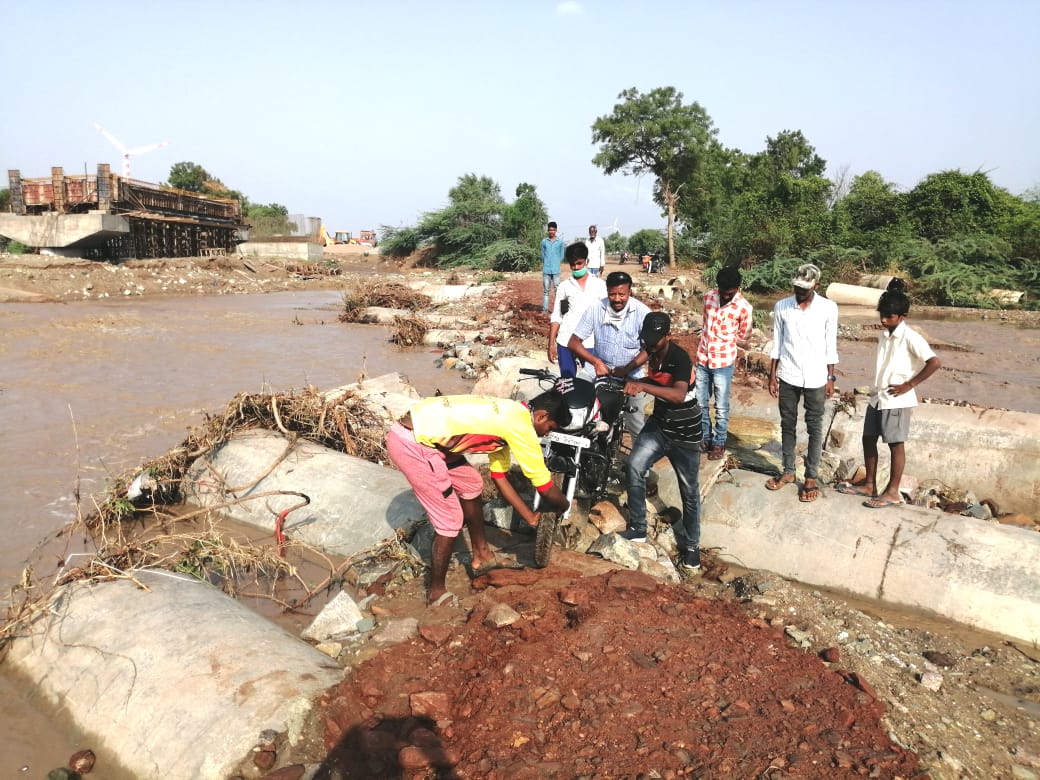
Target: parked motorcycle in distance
point(585, 453)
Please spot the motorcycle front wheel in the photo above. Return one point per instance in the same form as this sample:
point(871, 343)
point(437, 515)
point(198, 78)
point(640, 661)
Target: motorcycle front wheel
point(544, 536)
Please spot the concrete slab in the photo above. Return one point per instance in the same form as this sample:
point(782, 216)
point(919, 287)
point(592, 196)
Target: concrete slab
point(982, 574)
point(354, 504)
point(992, 452)
point(173, 682)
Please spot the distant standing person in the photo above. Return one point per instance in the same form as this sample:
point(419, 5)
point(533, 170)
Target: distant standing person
point(727, 322)
point(597, 251)
point(673, 430)
point(904, 361)
point(574, 295)
point(552, 256)
point(805, 352)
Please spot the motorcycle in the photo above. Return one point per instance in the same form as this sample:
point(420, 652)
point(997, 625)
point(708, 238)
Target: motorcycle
point(586, 453)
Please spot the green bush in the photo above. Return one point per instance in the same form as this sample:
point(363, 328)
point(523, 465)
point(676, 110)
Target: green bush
point(17, 248)
point(399, 242)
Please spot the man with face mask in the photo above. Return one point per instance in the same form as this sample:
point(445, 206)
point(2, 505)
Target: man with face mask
point(573, 297)
point(805, 351)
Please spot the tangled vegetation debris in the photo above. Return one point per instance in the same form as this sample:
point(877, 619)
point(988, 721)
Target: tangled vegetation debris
point(388, 295)
point(131, 526)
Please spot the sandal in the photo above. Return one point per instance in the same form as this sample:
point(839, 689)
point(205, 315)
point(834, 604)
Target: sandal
point(807, 494)
point(447, 598)
point(718, 452)
point(775, 483)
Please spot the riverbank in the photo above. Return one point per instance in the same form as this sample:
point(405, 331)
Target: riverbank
point(980, 723)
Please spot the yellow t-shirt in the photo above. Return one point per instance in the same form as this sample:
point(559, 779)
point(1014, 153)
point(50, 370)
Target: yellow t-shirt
point(501, 428)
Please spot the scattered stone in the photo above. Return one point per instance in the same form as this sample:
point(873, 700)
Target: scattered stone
point(82, 761)
point(331, 649)
point(940, 659)
point(616, 549)
point(396, 631)
point(607, 518)
point(338, 618)
point(431, 704)
point(436, 633)
point(831, 655)
point(500, 616)
point(931, 680)
point(801, 638)
point(264, 759)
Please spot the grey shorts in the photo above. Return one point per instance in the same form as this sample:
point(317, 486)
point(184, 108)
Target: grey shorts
point(892, 425)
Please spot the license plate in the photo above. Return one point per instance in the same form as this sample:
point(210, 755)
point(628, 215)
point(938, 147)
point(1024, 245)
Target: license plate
point(568, 439)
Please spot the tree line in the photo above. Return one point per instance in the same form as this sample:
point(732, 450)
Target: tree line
point(955, 235)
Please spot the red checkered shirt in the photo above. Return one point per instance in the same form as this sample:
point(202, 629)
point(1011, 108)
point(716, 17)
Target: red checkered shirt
point(723, 327)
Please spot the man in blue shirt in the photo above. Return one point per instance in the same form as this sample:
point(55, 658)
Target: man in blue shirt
point(615, 322)
point(552, 256)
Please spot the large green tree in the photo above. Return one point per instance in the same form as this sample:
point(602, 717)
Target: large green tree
point(657, 133)
point(952, 203)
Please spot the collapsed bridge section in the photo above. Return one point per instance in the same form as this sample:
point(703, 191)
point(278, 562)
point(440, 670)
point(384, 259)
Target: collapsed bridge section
point(107, 216)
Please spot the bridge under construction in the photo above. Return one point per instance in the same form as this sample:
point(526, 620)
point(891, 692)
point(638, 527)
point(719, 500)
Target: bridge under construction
point(110, 217)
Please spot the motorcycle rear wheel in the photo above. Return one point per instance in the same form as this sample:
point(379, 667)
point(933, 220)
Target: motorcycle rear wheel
point(544, 536)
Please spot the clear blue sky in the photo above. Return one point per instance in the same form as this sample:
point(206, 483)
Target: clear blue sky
point(366, 114)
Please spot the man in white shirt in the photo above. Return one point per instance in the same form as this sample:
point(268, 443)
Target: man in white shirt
point(574, 295)
point(597, 251)
point(805, 351)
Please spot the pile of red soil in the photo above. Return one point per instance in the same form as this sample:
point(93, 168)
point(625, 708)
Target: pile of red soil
point(608, 676)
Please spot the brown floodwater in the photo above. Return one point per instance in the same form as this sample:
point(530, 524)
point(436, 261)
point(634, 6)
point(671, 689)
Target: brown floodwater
point(91, 389)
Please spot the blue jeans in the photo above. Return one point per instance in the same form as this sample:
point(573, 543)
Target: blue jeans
point(649, 447)
point(549, 281)
point(565, 358)
point(714, 382)
point(814, 399)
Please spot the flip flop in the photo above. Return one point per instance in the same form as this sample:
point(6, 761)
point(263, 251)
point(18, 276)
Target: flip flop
point(775, 483)
point(881, 503)
point(808, 494)
point(852, 490)
point(718, 452)
point(447, 598)
point(474, 573)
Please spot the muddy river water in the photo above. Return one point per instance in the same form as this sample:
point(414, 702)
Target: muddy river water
point(90, 389)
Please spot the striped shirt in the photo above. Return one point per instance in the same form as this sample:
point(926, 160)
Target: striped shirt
point(616, 343)
point(723, 327)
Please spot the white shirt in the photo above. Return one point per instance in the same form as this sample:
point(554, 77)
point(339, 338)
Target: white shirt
point(597, 252)
point(901, 354)
point(805, 341)
point(578, 301)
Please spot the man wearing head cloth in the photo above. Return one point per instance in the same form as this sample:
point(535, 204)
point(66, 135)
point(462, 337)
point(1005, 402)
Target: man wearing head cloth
point(805, 351)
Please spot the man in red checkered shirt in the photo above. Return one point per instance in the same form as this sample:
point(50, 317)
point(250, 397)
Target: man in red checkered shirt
point(727, 322)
